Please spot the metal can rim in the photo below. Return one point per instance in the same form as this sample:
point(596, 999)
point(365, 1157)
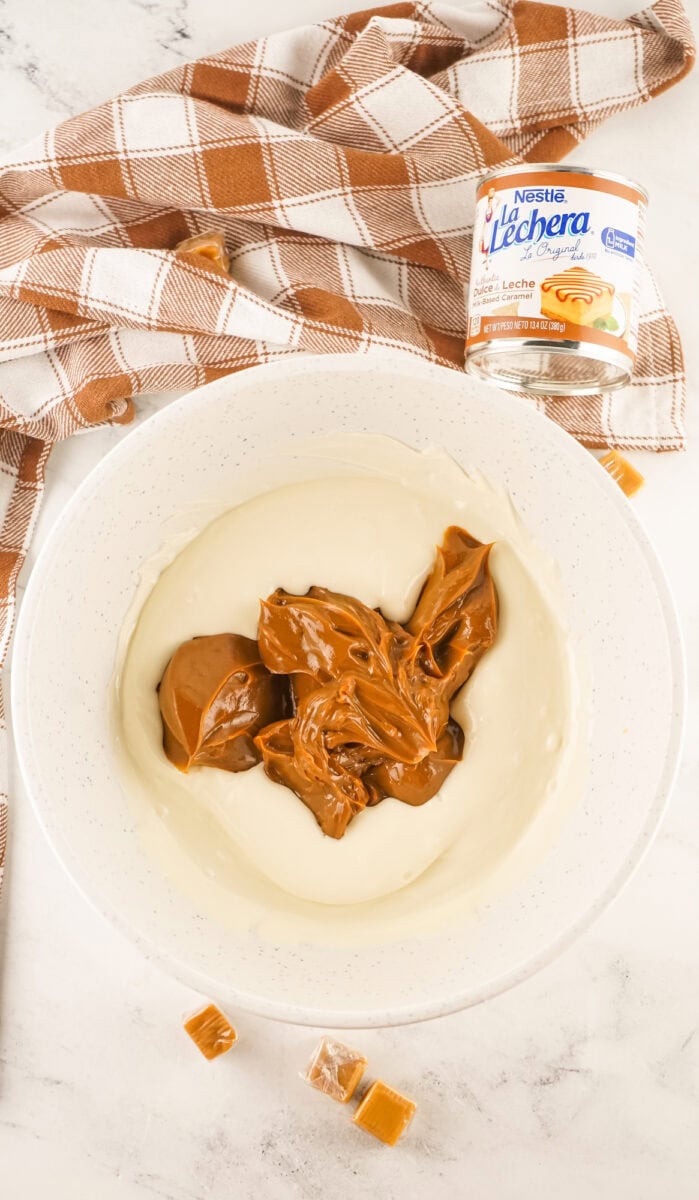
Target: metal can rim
point(535, 168)
point(567, 349)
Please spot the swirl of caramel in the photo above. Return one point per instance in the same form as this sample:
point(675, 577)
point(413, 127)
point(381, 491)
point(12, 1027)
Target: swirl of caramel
point(577, 284)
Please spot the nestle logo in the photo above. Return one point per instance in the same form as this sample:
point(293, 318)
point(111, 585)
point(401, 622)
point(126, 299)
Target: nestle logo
point(539, 195)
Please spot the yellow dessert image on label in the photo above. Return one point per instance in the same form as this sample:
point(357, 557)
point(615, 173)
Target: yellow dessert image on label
point(578, 296)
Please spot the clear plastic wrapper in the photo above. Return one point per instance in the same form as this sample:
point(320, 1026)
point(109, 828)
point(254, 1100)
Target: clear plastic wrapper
point(335, 1069)
point(211, 1031)
point(384, 1113)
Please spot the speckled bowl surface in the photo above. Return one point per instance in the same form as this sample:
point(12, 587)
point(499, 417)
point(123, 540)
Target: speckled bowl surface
point(84, 583)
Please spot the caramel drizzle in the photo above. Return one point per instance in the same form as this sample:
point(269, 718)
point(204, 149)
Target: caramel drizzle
point(577, 284)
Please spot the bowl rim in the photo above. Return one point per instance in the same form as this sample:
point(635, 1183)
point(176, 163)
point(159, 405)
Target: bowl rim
point(393, 364)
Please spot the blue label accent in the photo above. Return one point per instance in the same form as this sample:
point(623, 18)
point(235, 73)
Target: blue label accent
point(619, 242)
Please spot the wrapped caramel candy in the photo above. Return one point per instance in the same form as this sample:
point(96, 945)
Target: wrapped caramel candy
point(384, 1113)
point(335, 1070)
point(209, 246)
point(622, 472)
point(210, 1031)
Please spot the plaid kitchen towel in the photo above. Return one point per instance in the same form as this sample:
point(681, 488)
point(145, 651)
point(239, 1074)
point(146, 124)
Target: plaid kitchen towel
point(340, 160)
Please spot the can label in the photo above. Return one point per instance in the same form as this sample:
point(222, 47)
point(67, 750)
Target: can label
point(555, 257)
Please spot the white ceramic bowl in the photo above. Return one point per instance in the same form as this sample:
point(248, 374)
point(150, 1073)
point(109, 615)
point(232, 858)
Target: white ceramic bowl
point(84, 582)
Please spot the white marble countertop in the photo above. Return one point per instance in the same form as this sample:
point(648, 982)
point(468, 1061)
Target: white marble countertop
point(583, 1082)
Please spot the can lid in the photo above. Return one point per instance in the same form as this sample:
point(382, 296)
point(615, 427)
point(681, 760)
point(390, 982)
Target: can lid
point(537, 168)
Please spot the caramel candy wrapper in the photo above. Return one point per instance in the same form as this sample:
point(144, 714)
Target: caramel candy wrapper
point(335, 1070)
point(384, 1113)
point(210, 1031)
point(629, 479)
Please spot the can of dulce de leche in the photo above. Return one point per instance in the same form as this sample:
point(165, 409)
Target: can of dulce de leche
point(555, 279)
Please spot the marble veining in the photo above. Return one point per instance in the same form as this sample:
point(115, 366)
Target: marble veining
point(583, 1082)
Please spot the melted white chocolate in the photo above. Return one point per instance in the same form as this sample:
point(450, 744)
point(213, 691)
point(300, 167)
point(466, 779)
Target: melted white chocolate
point(361, 515)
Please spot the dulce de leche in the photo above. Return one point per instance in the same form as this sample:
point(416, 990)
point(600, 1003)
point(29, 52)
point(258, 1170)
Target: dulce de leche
point(215, 695)
point(342, 706)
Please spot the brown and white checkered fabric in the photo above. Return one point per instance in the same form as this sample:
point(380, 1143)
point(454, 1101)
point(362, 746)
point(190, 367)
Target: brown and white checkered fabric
point(340, 160)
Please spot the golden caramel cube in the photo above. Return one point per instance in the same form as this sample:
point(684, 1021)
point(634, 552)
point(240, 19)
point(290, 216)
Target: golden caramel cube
point(211, 1031)
point(621, 471)
point(384, 1113)
point(335, 1069)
